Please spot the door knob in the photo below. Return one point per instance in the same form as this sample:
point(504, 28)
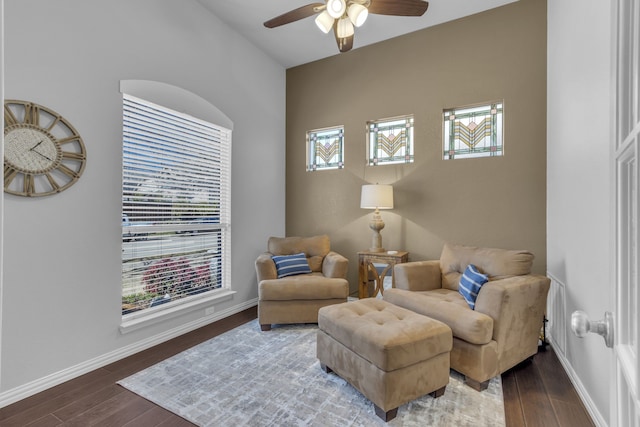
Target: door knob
point(581, 325)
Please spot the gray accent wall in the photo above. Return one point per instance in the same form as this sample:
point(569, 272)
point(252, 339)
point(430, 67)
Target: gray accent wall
point(493, 202)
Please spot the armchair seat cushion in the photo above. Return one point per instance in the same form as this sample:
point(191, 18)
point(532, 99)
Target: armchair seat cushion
point(303, 287)
point(448, 307)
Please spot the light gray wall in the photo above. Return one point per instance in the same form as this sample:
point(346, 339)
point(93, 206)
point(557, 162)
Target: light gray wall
point(61, 300)
point(578, 191)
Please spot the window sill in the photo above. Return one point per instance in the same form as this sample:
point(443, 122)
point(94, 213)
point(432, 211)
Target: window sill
point(149, 317)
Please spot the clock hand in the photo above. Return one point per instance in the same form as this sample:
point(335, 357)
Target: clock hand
point(35, 146)
point(42, 155)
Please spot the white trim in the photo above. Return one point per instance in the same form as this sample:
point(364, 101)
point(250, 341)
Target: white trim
point(177, 99)
point(1, 158)
point(589, 404)
point(557, 336)
point(11, 396)
point(557, 314)
point(151, 316)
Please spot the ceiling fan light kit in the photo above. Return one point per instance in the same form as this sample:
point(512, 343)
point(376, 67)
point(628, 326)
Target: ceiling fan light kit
point(336, 8)
point(345, 28)
point(324, 21)
point(343, 15)
point(357, 13)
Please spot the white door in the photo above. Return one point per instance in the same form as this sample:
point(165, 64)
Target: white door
point(625, 386)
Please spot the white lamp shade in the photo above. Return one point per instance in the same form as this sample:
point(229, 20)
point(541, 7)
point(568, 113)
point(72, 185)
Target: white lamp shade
point(357, 14)
point(324, 21)
point(376, 196)
point(345, 28)
point(336, 8)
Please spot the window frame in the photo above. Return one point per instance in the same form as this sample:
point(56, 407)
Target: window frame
point(148, 316)
point(312, 151)
point(496, 130)
point(372, 132)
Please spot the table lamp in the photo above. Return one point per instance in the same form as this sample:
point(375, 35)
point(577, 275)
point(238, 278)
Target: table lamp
point(376, 196)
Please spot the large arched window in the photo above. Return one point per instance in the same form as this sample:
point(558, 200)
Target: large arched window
point(176, 200)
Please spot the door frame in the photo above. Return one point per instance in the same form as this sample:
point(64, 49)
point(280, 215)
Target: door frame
point(624, 181)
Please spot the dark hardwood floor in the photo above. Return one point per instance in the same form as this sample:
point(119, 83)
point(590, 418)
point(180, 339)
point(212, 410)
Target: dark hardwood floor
point(540, 393)
point(536, 393)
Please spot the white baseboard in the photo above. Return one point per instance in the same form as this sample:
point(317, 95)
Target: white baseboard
point(11, 396)
point(596, 416)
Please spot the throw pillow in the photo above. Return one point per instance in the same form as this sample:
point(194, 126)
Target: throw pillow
point(470, 284)
point(290, 265)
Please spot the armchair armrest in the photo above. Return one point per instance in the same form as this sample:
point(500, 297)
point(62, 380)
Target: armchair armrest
point(418, 275)
point(335, 265)
point(517, 305)
point(265, 267)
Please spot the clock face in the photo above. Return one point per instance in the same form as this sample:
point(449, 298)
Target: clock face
point(30, 150)
point(43, 153)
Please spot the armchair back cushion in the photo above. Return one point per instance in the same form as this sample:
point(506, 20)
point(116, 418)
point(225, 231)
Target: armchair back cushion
point(496, 263)
point(315, 248)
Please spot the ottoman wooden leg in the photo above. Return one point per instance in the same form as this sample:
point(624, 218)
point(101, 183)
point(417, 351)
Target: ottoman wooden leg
point(265, 327)
point(386, 416)
point(439, 392)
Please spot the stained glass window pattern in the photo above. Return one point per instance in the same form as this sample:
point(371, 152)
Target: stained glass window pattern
point(390, 141)
point(473, 131)
point(325, 149)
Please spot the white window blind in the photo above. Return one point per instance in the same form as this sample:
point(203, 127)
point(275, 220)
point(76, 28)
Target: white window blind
point(176, 187)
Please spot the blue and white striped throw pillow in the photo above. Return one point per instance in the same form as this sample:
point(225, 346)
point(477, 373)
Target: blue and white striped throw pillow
point(470, 284)
point(290, 265)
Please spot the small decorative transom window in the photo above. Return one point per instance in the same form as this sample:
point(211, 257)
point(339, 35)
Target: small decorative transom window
point(390, 141)
point(473, 131)
point(325, 148)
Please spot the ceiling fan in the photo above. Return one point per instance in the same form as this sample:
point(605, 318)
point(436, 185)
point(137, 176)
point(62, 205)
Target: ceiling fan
point(343, 15)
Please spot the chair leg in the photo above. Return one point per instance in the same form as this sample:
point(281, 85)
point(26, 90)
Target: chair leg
point(386, 416)
point(325, 368)
point(265, 327)
point(476, 385)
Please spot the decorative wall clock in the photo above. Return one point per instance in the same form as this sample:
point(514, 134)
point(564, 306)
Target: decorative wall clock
point(43, 152)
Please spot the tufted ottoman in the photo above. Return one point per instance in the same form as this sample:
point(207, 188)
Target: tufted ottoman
point(390, 354)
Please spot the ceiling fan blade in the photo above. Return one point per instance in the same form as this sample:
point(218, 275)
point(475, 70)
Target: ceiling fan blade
point(345, 43)
point(294, 15)
point(398, 7)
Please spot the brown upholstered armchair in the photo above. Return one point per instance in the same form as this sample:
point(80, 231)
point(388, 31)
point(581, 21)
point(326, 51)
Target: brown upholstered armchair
point(297, 298)
point(503, 328)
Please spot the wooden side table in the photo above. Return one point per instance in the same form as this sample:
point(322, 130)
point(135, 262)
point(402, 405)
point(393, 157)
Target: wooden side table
point(366, 265)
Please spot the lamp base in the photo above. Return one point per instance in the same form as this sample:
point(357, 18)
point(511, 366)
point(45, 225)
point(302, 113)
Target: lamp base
point(376, 225)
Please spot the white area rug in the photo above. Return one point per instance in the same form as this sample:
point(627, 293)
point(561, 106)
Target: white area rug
point(247, 377)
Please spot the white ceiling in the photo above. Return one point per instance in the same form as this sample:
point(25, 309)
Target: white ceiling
point(301, 41)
